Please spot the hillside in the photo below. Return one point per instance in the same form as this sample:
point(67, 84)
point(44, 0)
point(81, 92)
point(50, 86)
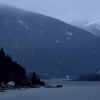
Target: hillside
point(47, 45)
point(90, 24)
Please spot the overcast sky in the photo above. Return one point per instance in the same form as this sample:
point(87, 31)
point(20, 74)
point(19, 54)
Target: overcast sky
point(60, 9)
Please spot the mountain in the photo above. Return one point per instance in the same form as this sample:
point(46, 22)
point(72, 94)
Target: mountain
point(92, 25)
point(50, 47)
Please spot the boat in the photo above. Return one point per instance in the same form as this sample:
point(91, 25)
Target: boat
point(53, 86)
point(57, 86)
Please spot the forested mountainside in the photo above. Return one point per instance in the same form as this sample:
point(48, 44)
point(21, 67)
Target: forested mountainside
point(50, 47)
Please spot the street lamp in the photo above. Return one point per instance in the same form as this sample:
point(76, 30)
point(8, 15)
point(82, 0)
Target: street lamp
point(31, 83)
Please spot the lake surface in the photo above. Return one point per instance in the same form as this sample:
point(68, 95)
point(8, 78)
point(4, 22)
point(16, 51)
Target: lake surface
point(72, 90)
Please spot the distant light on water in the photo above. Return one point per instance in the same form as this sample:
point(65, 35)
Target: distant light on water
point(67, 77)
point(99, 72)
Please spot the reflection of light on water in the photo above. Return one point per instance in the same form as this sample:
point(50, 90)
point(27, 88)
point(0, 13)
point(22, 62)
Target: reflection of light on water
point(67, 77)
point(99, 72)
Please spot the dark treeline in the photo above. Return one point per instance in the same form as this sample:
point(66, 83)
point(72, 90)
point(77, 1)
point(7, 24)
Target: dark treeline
point(89, 77)
point(12, 71)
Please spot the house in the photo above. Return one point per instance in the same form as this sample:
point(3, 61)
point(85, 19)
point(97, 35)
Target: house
point(11, 83)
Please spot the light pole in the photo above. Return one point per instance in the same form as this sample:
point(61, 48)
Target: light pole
point(31, 83)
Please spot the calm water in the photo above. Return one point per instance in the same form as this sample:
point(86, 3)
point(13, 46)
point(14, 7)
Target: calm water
point(70, 91)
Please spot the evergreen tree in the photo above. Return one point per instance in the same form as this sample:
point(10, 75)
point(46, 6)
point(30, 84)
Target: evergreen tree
point(12, 71)
point(34, 78)
point(9, 70)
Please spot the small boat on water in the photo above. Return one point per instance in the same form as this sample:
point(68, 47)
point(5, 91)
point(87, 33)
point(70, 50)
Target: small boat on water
point(53, 86)
point(59, 86)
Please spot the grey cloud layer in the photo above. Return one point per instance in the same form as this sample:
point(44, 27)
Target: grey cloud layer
point(60, 9)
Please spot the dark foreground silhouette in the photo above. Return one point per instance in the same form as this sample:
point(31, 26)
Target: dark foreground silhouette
point(12, 71)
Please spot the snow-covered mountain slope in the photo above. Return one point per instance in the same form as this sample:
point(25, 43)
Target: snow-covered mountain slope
point(91, 25)
point(46, 45)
